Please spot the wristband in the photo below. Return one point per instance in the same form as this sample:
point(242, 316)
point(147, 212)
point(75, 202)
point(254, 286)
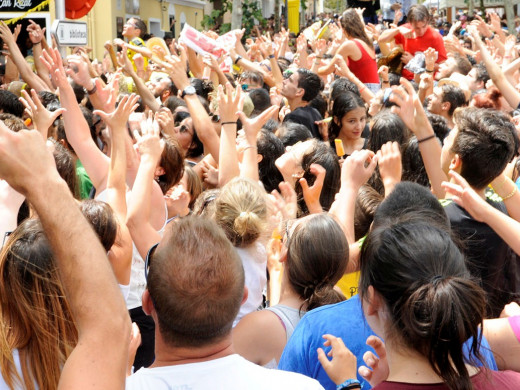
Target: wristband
point(385, 82)
point(429, 71)
point(37, 43)
point(93, 90)
point(349, 384)
point(426, 138)
point(249, 147)
point(492, 36)
point(271, 55)
point(228, 123)
point(238, 59)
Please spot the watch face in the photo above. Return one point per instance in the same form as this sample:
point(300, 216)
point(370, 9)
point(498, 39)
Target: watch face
point(189, 90)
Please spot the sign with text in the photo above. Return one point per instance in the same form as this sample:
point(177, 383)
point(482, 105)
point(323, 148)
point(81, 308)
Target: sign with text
point(20, 5)
point(69, 33)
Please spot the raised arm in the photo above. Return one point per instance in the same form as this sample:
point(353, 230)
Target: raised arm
point(16, 55)
point(150, 147)
point(37, 37)
point(411, 111)
point(99, 358)
point(120, 255)
point(229, 104)
point(201, 120)
point(510, 93)
point(76, 127)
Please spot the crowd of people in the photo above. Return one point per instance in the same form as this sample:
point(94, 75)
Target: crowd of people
point(336, 210)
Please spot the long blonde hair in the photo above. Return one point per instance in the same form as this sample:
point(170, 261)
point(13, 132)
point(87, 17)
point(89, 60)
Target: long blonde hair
point(35, 317)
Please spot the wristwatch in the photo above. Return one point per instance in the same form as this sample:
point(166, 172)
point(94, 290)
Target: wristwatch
point(189, 90)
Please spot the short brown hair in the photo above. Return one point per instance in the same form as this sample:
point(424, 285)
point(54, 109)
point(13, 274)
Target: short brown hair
point(196, 283)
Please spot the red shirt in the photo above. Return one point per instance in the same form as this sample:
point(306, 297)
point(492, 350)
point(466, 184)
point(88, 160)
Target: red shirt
point(365, 68)
point(431, 38)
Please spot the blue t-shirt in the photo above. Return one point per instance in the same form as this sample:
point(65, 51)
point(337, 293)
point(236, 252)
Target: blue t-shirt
point(345, 320)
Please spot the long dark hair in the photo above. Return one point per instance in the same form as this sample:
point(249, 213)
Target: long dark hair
point(433, 305)
point(352, 25)
point(317, 257)
point(343, 104)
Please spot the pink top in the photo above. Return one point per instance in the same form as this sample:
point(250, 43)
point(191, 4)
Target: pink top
point(515, 325)
point(365, 68)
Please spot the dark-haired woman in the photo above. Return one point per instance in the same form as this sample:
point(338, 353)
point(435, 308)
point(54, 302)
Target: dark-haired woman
point(349, 118)
point(425, 310)
point(314, 254)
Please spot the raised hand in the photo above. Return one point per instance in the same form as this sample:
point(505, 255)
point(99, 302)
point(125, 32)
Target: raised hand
point(285, 202)
point(118, 119)
point(177, 201)
point(358, 168)
point(390, 168)
point(78, 71)
point(52, 60)
point(42, 118)
point(36, 33)
point(229, 103)
point(6, 35)
point(430, 56)
point(311, 194)
point(409, 107)
point(149, 143)
point(343, 363)
point(252, 126)
point(376, 369)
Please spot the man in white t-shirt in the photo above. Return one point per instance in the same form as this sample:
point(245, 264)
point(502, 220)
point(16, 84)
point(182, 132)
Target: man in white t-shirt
point(195, 289)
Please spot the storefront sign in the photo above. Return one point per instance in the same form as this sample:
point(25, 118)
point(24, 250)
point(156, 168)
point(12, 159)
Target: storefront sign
point(20, 5)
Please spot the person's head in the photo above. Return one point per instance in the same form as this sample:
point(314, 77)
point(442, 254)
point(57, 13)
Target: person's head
point(10, 104)
point(194, 291)
point(419, 17)
point(173, 102)
point(260, 99)
point(202, 87)
point(13, 122)
point(353, 26)
point(445, 99)
point(162, 87)
point(477, 77)
point(192, 184)
point(133, 28)
point(241, 211)
point(316, 258)
point(302, 85)
point(102, 219)
point(251, 80)
point(418, 303)
point(439, 125)
point(367, 202)
point(187, 137)
point(171, 166)
point(205, 203)
point(35, 314)
point(413, 165)
point(487, 98)
point(385, 127)
point(480, 145)
point(320, 104)
point(269, 148)
point(454, 63)
point(340, 86)
point(66, 167)
point(291, 133)
point(348, 117)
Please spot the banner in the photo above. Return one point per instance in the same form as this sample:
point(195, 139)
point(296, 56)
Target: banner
point(21, 5)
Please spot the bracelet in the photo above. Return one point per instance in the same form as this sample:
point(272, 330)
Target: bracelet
point(362, 89)
point(37, 43)
point(318, 57)
point(349, 384)
point(511, 194)
point(228, 123)
point(238, 59)
point(429, 71)
point(499, 186)
point(492, 36)
point(385, 82)
point(426, 138)
point(271, 55)
point(250, 147)
point(93, 90)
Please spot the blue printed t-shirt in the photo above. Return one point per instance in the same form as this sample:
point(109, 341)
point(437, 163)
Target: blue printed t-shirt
point(345, 320)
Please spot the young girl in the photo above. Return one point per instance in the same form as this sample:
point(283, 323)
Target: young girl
point(348, 122)
point(314, 256)
point(425, 310)
point(241, 211)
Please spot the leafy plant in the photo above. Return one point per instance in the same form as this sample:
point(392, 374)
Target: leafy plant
point(251, 11)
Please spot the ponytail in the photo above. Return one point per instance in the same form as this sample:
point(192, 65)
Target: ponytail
point(447, 311)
